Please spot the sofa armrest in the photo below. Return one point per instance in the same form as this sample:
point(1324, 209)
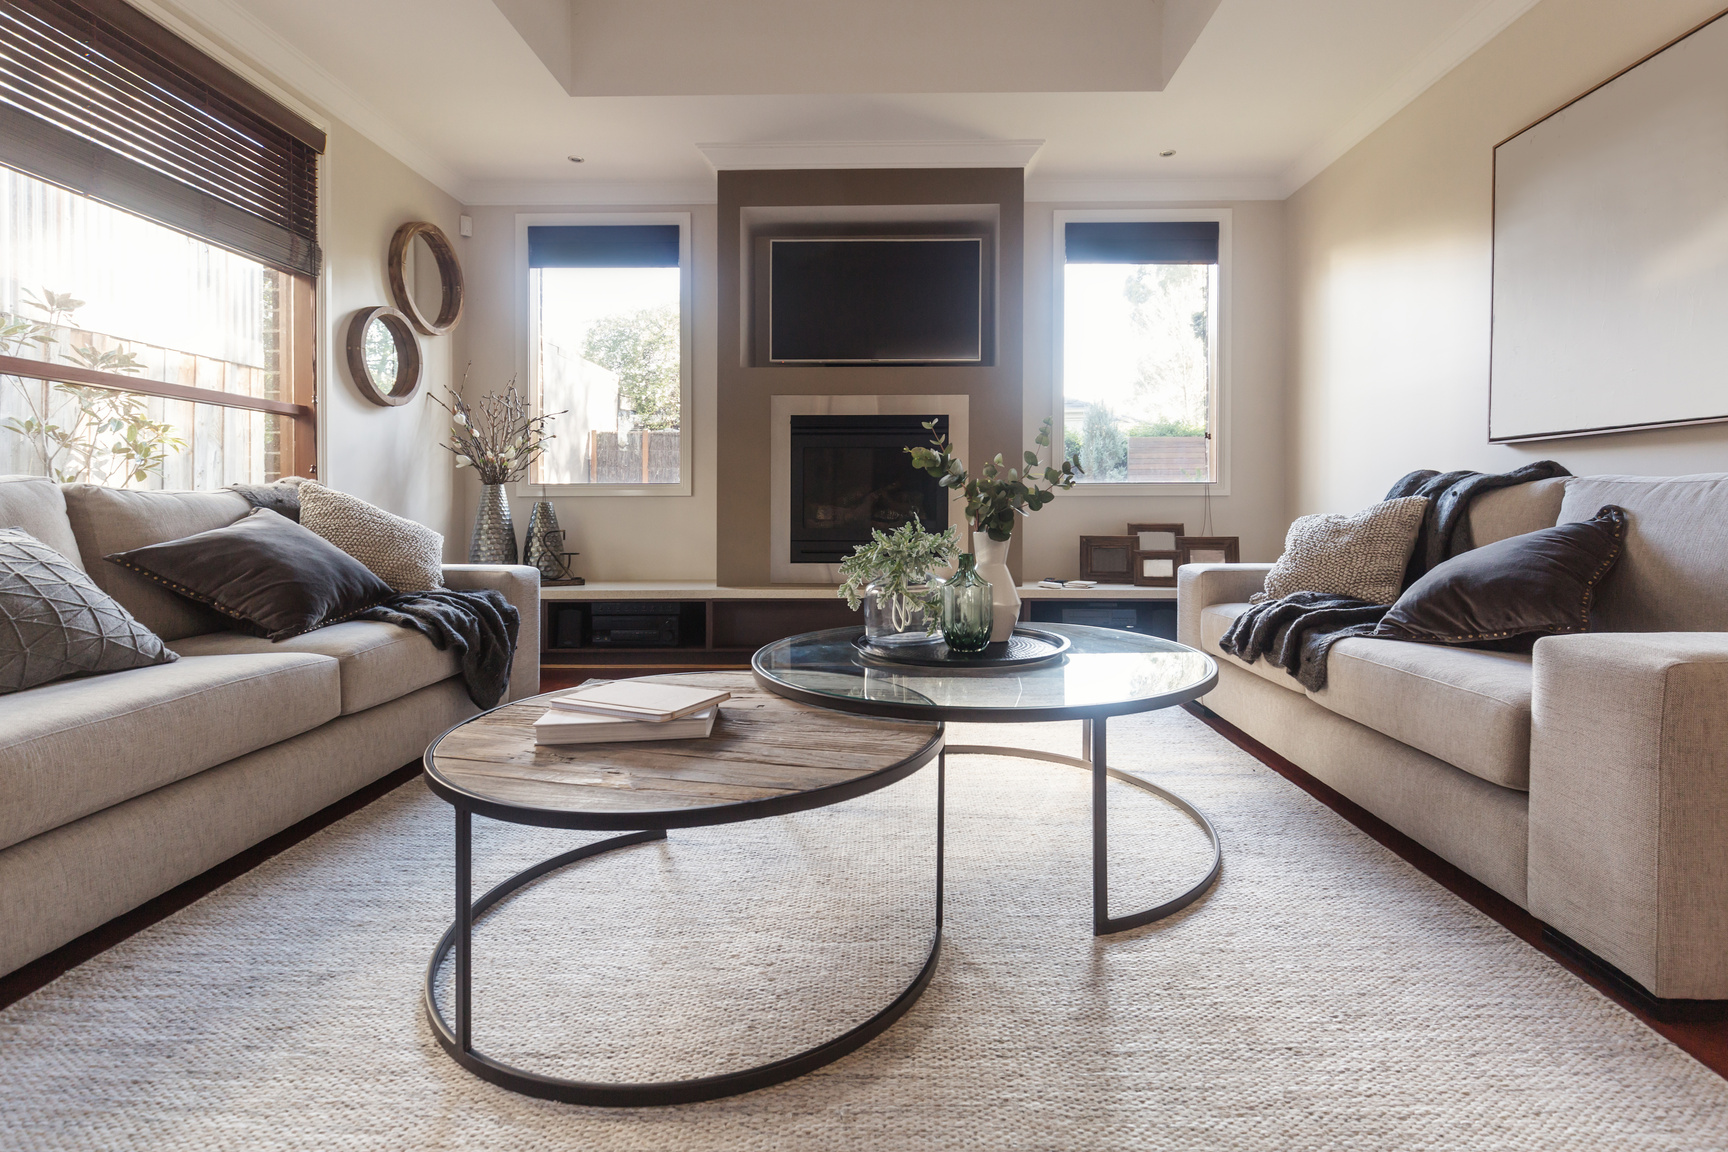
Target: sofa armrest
point(1199, 585)
point(521, 586)
point(1629, 803)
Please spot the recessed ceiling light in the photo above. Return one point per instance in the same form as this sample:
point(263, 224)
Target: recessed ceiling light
point(575, 159)
point(1168, 152)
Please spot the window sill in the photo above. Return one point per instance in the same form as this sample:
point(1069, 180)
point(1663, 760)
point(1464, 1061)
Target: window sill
point(1149, 488)
point(534, 491)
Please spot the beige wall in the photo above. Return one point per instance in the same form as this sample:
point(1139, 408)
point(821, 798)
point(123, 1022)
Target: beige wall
point(1253, 421)
point(1390, 261)
point(388, 456)
point(620, 537)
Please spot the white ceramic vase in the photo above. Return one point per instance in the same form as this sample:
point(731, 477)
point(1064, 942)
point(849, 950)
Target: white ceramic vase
point(1004, 597)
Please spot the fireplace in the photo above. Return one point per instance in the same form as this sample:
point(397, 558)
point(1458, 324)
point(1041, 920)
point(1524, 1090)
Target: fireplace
point(850, 474)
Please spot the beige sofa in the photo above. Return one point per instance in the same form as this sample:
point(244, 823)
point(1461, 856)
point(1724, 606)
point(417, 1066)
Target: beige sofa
point(1587, 782)
point(115, 788)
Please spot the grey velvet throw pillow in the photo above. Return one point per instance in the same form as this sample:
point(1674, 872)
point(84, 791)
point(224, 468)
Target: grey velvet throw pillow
point(55, 622)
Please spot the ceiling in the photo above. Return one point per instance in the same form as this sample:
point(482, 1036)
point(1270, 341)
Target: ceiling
point(1254, 97)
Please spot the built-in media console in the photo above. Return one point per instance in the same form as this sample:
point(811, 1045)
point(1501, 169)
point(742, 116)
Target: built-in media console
point(603, 625)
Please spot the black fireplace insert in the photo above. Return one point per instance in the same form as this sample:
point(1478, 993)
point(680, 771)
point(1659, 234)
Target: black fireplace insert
point(851, 474)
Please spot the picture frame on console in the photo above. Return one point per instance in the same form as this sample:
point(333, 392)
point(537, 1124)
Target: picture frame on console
point(1156, 555)
point(1108, 559)
point(1209, 550)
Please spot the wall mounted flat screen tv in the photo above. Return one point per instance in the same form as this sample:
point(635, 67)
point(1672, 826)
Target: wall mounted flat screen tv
point(865, 300)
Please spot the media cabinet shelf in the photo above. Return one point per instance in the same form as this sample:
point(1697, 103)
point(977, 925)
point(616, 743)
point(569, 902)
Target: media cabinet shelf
point(735, 621)
point(691, 590)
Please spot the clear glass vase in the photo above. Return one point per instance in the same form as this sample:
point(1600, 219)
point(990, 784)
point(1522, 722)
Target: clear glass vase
point(966, 608)
point(890, 621)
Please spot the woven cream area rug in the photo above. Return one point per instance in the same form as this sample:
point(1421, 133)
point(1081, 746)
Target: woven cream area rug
point(1326, 995)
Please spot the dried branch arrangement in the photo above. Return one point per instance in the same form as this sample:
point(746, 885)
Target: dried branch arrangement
point(500, 439)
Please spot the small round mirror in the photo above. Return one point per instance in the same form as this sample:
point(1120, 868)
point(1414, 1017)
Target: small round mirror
point(383, 355)
point(426, 277)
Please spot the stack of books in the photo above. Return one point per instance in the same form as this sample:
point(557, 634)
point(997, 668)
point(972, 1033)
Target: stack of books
point(602, 711)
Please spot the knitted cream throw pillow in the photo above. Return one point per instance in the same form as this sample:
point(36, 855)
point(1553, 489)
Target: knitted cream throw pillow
point(407, 556)
point(1361, 556)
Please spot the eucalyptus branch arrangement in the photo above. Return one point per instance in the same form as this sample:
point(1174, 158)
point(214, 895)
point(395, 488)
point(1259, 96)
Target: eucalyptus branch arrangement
point(898, 563)
point(998, 492)
point(500, 439)
point(105, 435)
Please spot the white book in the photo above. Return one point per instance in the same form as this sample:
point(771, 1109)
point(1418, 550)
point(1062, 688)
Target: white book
point(557, 726)
point(639, 699)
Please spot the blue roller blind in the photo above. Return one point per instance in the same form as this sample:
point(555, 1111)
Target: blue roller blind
point(1143, 242)
point(603, 246)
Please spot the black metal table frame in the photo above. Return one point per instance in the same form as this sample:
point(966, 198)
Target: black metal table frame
point(1094, 757)
point(457, 1038)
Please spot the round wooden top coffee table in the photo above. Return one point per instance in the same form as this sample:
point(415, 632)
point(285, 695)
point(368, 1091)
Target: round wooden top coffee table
point(767, 756)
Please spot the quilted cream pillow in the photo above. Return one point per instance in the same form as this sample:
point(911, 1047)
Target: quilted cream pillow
point(1361, 556)
point(407, 556)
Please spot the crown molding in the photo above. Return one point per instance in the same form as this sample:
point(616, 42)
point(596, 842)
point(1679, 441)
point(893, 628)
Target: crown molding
point(871, 154)
point(244, 43)
point(1131, 190)
point(594, 193)
point(1486, 21)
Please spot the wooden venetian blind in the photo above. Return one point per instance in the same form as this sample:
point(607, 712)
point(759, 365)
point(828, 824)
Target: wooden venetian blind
point(96, 97)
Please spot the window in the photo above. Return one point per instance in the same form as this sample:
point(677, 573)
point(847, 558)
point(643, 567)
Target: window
point(158, 236)
point(609, 352)
point(97, 305)
point(1137, 366)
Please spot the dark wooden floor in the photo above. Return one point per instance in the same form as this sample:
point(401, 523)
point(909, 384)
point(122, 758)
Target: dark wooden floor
point(1705, 1040)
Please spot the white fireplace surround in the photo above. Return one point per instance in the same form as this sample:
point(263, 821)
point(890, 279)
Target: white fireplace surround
point(781, 569)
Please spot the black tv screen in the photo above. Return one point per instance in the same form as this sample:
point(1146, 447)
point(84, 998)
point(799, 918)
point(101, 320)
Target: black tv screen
point(874, 301)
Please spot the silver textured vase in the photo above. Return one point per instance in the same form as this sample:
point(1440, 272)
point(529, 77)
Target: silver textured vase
point(544, 547)
point(494, 535)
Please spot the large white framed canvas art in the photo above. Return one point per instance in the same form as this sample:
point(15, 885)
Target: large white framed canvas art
point(1611, 253)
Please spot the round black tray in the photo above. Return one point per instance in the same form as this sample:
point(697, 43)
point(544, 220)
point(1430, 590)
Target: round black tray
point(1027, 647)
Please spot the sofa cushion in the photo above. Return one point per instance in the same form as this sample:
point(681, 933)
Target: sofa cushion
point(273, 576)
point(1506, 593)
point(78, 746)
point(106, 520)
point(1673, 573)
point(54, 622)
point(1215, 620)
point(1361, 555)
point(1506, 512)
point(404, 554)
point(1467, 707)
point(377, 662)
point(36, 504)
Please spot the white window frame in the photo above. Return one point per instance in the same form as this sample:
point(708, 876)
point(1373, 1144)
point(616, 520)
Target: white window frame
point(528, 338)
point(1218, 418)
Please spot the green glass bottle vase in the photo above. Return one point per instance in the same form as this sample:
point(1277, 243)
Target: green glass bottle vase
point(966, 608)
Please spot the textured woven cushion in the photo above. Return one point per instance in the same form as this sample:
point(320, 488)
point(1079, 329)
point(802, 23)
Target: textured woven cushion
point(407, 556)
point(1362, 556)
point(55, 622)
point(270, 574)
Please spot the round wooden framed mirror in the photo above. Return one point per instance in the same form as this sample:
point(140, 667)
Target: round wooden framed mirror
point(384, 355)
point(426, 277)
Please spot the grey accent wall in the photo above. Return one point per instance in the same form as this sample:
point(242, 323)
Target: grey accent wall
point(745, 391)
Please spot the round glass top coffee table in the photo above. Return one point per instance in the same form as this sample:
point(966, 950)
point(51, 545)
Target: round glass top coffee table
point(1103, 673)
